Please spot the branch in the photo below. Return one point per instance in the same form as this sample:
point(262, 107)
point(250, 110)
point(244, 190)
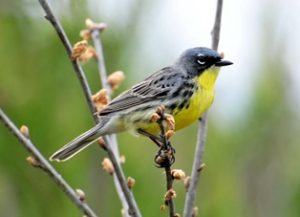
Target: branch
point(170, 192)
point(202, 130)
point(88, 95)
point(121, 182)
point(77, 68)
point(215, 33)
point(100, 59)
point(166, 155)
point(125, 194)
point(46, 166)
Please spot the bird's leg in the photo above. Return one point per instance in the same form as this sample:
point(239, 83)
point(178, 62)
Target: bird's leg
point(166, 150)
point(165, 156)
point(157, 140)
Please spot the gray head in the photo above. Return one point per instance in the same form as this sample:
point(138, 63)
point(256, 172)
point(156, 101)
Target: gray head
point(196, 60)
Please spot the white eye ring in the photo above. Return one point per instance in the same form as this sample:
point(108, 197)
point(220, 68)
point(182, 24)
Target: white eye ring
point(201, 62)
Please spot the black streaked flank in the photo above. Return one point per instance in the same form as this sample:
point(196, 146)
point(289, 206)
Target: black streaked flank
point(172, 106)
point(183, 103)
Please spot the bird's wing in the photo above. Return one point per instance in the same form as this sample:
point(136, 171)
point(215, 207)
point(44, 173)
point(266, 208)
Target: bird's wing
point(160, 85)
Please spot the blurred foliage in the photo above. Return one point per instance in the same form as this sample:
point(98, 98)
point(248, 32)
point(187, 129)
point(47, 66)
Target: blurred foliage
point(252, 165)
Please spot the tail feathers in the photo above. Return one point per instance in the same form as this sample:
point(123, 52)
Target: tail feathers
point(77, 145)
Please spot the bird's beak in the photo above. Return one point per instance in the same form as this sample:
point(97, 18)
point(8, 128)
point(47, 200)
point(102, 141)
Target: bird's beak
point(223, 63)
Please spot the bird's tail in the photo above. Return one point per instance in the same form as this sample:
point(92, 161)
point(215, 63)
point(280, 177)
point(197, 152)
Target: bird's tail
point(78, 144)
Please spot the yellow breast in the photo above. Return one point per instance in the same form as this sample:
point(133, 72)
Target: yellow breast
point(200, 101)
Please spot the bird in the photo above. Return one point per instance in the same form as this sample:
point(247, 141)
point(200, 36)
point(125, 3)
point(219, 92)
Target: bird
point(186, 89)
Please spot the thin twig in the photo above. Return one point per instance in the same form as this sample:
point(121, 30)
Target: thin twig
point(119, 174)
point(125, 194)
point(215, 33)
point(46, 166)
point(165, 158)
point(96, 36)
point(195, 176)
point(66, 42)
point(169, 181)
point(202, 129)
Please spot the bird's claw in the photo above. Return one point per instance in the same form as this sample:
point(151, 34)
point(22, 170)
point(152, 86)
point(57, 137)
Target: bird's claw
point(165, 157)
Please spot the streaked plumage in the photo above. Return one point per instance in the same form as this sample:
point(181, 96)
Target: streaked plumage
point(186, 89)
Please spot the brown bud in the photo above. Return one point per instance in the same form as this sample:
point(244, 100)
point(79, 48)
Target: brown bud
point(187, 182)
point(100, 99)
point(163, 207)
point(101, 142)
point(80, 194)
point(92, 25)
point(160, 109)
point(87, 55)
point(123, 213)
point(78, 49)
point(122, 159)
point(170, 121)
point(170, 194)
point(159, 160)
point(25, 131)
point(195, 212)
point(201, 167)
point(154, 117)
point(108, 166)
point(89, 23)
point(33, 161)
point(82, 52)
point(170, 133)
point(115, 79)
point(130, 182)
point(85, 34)
point(178, 174)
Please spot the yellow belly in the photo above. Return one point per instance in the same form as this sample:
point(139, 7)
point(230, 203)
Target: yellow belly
point(200, 101)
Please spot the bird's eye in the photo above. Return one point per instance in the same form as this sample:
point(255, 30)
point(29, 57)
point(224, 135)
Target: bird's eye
point(201, 59)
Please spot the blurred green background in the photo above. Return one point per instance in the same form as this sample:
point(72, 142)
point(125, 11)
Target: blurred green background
point(252, 151)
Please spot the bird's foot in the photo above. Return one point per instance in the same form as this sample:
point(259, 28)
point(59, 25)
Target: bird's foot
point(165, 156)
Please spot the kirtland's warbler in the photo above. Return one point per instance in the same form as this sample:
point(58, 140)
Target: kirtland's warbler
point(186, 89)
